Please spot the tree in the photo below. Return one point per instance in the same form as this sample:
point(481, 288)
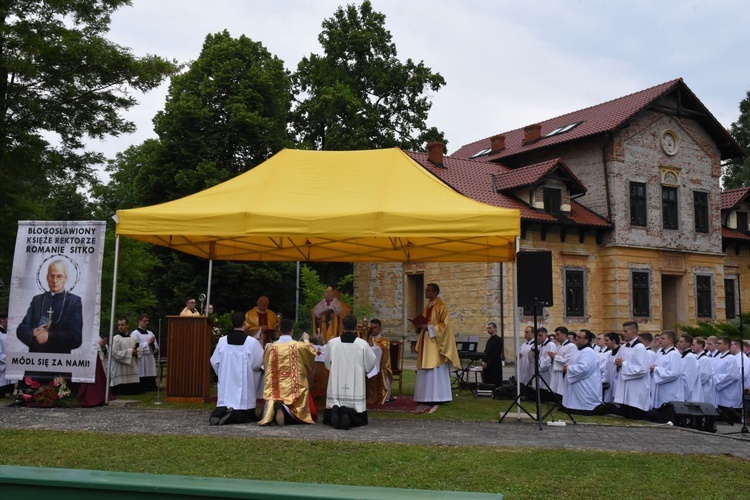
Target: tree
point(358, 95)
point(61, 82)
point(737, 171)
point(226, 114)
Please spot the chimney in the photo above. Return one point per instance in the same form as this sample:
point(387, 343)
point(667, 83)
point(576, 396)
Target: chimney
point(497, 143)
point(435, 153)
point(532, 133)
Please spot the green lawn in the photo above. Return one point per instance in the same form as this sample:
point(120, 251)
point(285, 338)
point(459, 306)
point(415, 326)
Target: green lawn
point(515, 472)
point(518, 473)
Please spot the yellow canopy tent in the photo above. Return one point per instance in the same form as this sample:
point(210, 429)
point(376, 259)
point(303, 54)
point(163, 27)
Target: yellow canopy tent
point(330, 206)
point(327, 206)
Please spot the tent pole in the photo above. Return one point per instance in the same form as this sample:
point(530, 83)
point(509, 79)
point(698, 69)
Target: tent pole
point(403, 306)
point(516, 330)
point(296, 300)
point(112, 317)
point(210, 274)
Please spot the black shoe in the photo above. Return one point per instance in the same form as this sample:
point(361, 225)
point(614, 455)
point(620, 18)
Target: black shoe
point(345, 423)
point(228, 418)
point(216, 416)
point(336, 418)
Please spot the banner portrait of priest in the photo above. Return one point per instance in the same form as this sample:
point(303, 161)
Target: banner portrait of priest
point(55, 299)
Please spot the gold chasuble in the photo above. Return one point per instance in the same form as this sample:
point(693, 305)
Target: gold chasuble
point(434, 352)
point(287, 366)
point(377, 386)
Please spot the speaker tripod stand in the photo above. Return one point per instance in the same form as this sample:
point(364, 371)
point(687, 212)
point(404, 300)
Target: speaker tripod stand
point(537, 379)
point(743, 400)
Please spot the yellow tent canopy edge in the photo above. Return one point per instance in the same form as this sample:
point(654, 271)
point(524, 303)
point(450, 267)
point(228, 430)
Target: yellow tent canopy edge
point(330, 206)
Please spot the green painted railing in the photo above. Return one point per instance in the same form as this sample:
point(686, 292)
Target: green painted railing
point(77, 484)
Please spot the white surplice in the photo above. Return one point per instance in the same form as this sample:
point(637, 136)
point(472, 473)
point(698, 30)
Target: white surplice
point(545, 363)
point(727, 380)
point(612, 376)
point(349, 364)
point(632, 382)
point(146, 360)
point(562, 356)
point(691, 378)
point(583, 381)
point(705, 366)
point(238, 367)
point(525, 363)
point(667, 381)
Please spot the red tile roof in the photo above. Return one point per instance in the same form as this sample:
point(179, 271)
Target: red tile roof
point(608, 116)
point(733, 234)
point(730, 199)
point(532, 174)
point(473, 178)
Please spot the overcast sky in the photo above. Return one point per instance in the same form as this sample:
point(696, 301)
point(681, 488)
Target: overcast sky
point(506, 63)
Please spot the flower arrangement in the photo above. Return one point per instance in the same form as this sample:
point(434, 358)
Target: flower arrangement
point(35, 394)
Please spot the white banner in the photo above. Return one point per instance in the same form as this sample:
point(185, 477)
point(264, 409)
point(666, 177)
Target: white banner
point(55, 299)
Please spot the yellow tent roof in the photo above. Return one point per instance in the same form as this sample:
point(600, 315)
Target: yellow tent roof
point(330, 206)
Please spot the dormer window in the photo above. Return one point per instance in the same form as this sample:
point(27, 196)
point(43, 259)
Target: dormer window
point(552, 201)
point(563, 129)
point(482, 153)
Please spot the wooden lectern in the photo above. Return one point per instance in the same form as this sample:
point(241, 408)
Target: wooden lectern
point(189, 366)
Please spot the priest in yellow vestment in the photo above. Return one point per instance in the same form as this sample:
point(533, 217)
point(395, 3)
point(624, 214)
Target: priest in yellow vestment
point(436, 351)
point(379, 385)
point(287, 394)
point(327, 315)
point(261, 322)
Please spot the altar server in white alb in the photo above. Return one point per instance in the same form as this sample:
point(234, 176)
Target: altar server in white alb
point(543, 348)
point(631, 364)
point(691, 371)
point(736, 350)
point(560, 357)
point(705, 366)
point(583, 381)
point(727, 380)
point(526, 368)
point(667, 372)
point(349, 359)
point(147, 346)
point(236, 360)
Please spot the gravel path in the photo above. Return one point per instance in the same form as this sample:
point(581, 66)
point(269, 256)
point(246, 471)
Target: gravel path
point(117, 418)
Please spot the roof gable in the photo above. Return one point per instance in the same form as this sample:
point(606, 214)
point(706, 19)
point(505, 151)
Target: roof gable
point(533, 174)
point(730, 199)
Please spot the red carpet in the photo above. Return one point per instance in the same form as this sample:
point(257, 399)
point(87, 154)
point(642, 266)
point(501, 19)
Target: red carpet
point(402, 404)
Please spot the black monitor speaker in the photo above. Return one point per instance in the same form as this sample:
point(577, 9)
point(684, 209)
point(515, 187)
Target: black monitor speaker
point(700, 416)
point(534, 279)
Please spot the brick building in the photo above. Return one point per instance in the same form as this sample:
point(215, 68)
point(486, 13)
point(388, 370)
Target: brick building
point(625, 195)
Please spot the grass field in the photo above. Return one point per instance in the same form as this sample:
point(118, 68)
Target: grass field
point(515, 472)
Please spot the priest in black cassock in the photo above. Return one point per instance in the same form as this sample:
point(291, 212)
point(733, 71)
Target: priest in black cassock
point(493, 357)
point(54, 321)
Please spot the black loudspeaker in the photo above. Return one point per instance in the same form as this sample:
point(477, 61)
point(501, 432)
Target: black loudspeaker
point(534, 279)
point(700, 416)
